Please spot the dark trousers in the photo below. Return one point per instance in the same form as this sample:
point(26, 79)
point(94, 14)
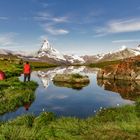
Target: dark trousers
point(26, 76)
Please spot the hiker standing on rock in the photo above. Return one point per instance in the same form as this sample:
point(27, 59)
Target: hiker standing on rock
point(27, 71)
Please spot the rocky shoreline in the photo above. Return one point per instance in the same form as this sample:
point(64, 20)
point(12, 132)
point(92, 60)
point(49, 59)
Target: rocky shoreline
point(128, 69)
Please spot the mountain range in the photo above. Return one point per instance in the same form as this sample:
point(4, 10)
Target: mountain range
point(49, 54)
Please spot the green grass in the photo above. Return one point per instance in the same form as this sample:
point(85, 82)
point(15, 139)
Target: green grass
point(38, 65)
point(14, 94)
point(115, 124)
point(103, 64)
point(10, 69)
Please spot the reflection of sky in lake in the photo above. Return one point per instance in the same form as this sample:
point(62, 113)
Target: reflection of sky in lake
point(69, 102)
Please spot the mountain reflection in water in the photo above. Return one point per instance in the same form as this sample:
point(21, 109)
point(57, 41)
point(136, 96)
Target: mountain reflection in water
point(127, 89)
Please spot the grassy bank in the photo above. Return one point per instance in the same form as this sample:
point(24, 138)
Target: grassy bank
point(14, 93)
point(116, 123)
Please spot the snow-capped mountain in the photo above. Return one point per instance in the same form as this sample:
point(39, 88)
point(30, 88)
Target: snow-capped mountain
point(92, 58)
point(49, 54)
point(48, 51)
point(122, 53)
point(15, 53)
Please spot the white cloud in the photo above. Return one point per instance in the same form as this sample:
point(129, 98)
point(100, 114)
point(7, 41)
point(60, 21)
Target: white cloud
point(44, 16)
point(119, 26)
point(52, 30)
point(49, 23)
point(125, 41)
point(7, 39)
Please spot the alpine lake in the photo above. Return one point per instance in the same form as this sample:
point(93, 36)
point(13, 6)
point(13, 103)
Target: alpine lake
point(80, 101)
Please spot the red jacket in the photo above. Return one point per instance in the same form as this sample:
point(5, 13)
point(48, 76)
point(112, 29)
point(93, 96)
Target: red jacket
point(2, 75)
point(27, 69)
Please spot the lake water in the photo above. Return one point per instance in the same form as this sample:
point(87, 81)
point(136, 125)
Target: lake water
point(73, 100)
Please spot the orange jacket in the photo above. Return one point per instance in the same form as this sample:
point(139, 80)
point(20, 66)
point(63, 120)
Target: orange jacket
point(27, 69)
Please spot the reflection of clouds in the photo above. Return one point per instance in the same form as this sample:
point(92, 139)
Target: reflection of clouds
point(58, 108)
point(57, 97)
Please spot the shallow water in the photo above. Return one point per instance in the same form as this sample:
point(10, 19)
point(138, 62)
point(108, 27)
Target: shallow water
point(66, 100)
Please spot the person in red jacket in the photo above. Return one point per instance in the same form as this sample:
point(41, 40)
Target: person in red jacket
point(2, 75)
point(27, 71)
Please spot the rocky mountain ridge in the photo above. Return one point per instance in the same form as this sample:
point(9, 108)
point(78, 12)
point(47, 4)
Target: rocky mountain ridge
point(50, 55)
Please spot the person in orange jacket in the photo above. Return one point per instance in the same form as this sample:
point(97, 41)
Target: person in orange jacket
point(27, 71)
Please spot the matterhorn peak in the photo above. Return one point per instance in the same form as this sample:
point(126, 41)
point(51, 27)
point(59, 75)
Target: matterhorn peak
point(46, 45)
point(47, 50)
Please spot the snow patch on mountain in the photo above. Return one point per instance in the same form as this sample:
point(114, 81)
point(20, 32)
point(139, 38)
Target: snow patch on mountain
point(122, 48)
point(136, 51)
point(100, 56)
point(75, 58)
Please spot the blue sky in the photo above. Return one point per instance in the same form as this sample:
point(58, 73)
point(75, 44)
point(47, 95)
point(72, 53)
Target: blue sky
point(72, 26)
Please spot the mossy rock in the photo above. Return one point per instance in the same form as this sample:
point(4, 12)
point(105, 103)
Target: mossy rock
point(71, 78)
